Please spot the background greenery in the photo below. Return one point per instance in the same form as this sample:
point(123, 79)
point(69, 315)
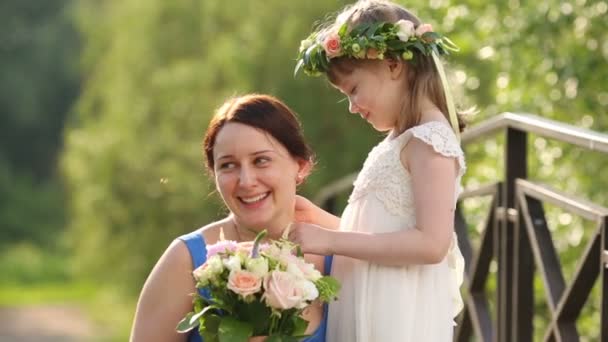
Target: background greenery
point(104, 104)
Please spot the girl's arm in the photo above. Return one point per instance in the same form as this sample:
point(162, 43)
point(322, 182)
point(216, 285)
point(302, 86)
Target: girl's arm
point(433, 184)
point(165, 298)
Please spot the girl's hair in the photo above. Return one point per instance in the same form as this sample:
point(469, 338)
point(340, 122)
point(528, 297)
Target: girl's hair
point(263, 112)
point(423, 77)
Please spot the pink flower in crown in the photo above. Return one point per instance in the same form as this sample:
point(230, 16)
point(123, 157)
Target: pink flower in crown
point(424, 28)
point(332, 45)
point(221, 247)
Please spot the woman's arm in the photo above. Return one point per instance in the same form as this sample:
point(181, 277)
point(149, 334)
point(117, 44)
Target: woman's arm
point(433, 185)
point(165, 298)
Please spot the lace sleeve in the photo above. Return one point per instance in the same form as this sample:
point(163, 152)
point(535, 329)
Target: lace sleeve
point(443, 140)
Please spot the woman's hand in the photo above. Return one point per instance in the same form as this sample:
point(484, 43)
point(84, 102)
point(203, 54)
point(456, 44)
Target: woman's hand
point(312, 239)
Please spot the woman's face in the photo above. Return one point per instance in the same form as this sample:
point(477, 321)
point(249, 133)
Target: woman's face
point(256, 177)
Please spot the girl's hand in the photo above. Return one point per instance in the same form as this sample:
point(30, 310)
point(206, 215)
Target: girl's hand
point(312, 239)
point(305, 210)
point(308, 212)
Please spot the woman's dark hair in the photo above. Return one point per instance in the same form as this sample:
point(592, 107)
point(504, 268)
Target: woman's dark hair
point(263, 112)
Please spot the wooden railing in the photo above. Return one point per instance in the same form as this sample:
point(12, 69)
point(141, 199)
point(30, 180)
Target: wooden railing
point(517, 237)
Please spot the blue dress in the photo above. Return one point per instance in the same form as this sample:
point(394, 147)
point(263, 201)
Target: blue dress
point(198, 251)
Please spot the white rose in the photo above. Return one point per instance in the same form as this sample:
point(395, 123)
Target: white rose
point(257, 266)
point(406, 29)
point(233, 263)
point(309, 289)
point(215, 265)
point(295, 270)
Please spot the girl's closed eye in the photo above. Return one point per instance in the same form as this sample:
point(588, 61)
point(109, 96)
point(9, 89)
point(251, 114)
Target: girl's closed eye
point(353, 90)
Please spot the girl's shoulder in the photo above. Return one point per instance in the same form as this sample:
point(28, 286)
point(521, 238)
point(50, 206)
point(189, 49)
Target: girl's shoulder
point(432, 137)
point(437, 134)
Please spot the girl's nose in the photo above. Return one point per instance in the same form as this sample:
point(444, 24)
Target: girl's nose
point(352, 107)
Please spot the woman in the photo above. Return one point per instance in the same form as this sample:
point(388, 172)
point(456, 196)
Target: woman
point(254, 148)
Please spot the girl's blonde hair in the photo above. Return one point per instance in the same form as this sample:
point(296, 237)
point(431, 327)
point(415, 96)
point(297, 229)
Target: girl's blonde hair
point(422, 77)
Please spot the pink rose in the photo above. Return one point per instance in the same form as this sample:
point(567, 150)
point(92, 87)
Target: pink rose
point(282, 290)
point(244, 283)
point(331, 44)
point(424, 28)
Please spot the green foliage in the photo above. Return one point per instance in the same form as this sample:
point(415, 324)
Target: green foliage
point(155, 70)
point(38, 83)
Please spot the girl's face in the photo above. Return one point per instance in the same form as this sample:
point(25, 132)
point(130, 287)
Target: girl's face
point(376, 92)
point(256, 177)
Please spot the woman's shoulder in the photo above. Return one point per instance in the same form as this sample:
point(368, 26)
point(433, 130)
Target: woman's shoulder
point(180, 250)
point(211, 232)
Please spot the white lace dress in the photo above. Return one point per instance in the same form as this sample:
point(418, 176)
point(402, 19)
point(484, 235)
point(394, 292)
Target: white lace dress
point(377, 303)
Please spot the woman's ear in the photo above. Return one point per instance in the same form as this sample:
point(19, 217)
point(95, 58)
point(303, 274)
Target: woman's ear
point(304, 168)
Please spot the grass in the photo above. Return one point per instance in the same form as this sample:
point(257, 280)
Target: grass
point(33, 276)
point(50, 293)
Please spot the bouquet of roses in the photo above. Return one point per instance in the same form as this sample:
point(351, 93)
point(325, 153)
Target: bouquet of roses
point(255, 289)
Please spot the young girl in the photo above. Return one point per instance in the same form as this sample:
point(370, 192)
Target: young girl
point(396, 252)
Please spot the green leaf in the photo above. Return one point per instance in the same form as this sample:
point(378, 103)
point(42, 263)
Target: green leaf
point(233, 330)
point(420, 47)
point(328, 288)
point(298, 67)
point(257, 314)
point(359, 30)
point(300, 325)
point(342, 30)
point(396, 45)
point(212, 322)
point(186, 324)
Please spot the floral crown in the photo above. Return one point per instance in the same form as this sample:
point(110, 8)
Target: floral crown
point(371, 41)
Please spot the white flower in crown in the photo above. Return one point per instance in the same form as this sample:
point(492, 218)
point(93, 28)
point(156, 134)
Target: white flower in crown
point(406, 29)
point(305, 44)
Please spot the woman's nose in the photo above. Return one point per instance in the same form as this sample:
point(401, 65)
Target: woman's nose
point(246, 177)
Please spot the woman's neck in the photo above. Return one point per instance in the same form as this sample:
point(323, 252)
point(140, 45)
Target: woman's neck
point(247, 233)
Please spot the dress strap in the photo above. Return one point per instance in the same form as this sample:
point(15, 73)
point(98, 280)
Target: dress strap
point(327, 264)
point(196, 246)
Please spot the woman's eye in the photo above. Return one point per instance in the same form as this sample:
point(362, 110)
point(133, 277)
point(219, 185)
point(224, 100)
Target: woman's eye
point(261, 161)
point(227, 166)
